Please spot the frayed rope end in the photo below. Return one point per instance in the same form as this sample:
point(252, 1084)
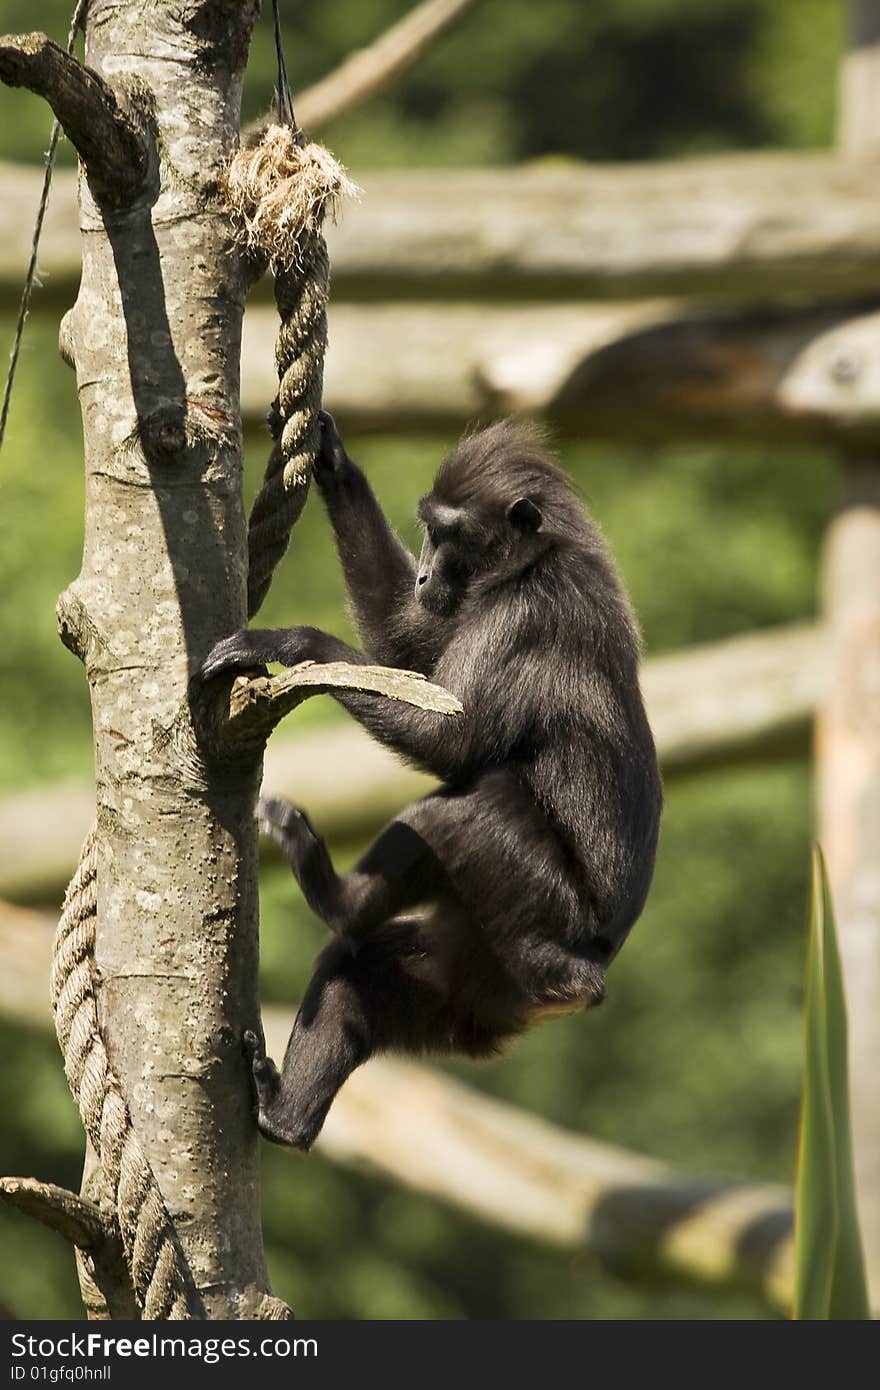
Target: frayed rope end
point(279, 193)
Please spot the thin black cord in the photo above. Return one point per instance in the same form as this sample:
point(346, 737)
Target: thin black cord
point(31, 273)
point(283, 94)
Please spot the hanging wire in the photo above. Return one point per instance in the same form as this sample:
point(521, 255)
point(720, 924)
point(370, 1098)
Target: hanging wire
point(30, 278)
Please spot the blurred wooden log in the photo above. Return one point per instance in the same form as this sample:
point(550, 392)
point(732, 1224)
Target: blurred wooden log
point(769, 226)
point(641, 372)
point(25, 949)
point(748, 697)
point(60, 259)
point(635, 1215)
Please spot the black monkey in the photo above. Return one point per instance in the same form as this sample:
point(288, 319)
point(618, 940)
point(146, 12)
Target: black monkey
point(535, 855)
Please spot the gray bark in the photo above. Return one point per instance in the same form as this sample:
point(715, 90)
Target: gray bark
point(154, 337)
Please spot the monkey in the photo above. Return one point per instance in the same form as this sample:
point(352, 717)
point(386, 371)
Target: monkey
point(500, 898)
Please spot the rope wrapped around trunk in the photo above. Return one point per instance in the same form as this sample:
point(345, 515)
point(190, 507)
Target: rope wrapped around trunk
point(159, 1273)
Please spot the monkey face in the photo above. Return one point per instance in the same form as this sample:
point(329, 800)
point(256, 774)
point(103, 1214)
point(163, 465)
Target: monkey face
point(463, 544)
point(441, 582)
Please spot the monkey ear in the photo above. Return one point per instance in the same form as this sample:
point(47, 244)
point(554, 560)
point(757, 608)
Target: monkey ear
point(524, 514)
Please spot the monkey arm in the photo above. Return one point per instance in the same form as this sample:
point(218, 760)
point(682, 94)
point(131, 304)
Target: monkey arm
point(380, 572)
point(440, 743)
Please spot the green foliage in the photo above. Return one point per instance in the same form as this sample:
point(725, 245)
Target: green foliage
point(829, 1268)
point(613, 79)
point(45, 728)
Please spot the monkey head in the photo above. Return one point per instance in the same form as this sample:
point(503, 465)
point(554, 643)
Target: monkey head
point(497, 504)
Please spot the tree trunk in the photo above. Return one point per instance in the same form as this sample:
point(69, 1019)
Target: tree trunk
point(155, 967)
point(154, 337)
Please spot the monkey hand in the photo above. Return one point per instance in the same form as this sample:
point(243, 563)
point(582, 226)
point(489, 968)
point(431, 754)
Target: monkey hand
point(245, 650)
point(251, 649)
point(332, 462)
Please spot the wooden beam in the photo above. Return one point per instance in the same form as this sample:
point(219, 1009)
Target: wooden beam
point(859, 105)
point(60, 260)
point(734, 700)
point(745, 227)
point(750, 696)
point(637, 1215)
point(640, 372)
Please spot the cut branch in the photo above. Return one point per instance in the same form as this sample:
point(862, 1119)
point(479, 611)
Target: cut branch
point(104, 1281)
point(258, 703)
point(106, 135)
point(370, 70)
point(76, 1219)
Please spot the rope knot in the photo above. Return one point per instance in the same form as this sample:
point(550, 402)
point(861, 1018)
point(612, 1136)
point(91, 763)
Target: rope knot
point(280, 191)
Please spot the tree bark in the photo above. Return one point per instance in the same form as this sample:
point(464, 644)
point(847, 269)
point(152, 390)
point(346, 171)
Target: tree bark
point(154, 337)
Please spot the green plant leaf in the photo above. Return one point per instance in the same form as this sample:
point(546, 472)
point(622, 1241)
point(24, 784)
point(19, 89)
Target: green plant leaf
point(829, 1267)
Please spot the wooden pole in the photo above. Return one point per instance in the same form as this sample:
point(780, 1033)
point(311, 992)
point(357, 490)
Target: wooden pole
point(848, 737)
point(772, 227)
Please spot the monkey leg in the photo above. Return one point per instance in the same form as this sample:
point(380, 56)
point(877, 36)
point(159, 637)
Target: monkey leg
point(398, 992)
point(397, 872)
point(305, 851)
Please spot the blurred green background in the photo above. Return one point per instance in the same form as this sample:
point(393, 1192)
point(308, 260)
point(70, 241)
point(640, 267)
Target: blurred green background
point(696, 1056)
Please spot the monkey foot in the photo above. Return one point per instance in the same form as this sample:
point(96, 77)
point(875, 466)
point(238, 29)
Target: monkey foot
point(274, 1123)
point(284, 823)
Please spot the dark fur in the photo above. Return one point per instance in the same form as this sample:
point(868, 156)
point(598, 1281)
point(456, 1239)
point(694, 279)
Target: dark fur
point(535, 856)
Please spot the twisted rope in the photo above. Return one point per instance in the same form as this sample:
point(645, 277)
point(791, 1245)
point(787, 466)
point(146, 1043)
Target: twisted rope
point(279, 192)
point(301, 296)
point(159, 1274)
